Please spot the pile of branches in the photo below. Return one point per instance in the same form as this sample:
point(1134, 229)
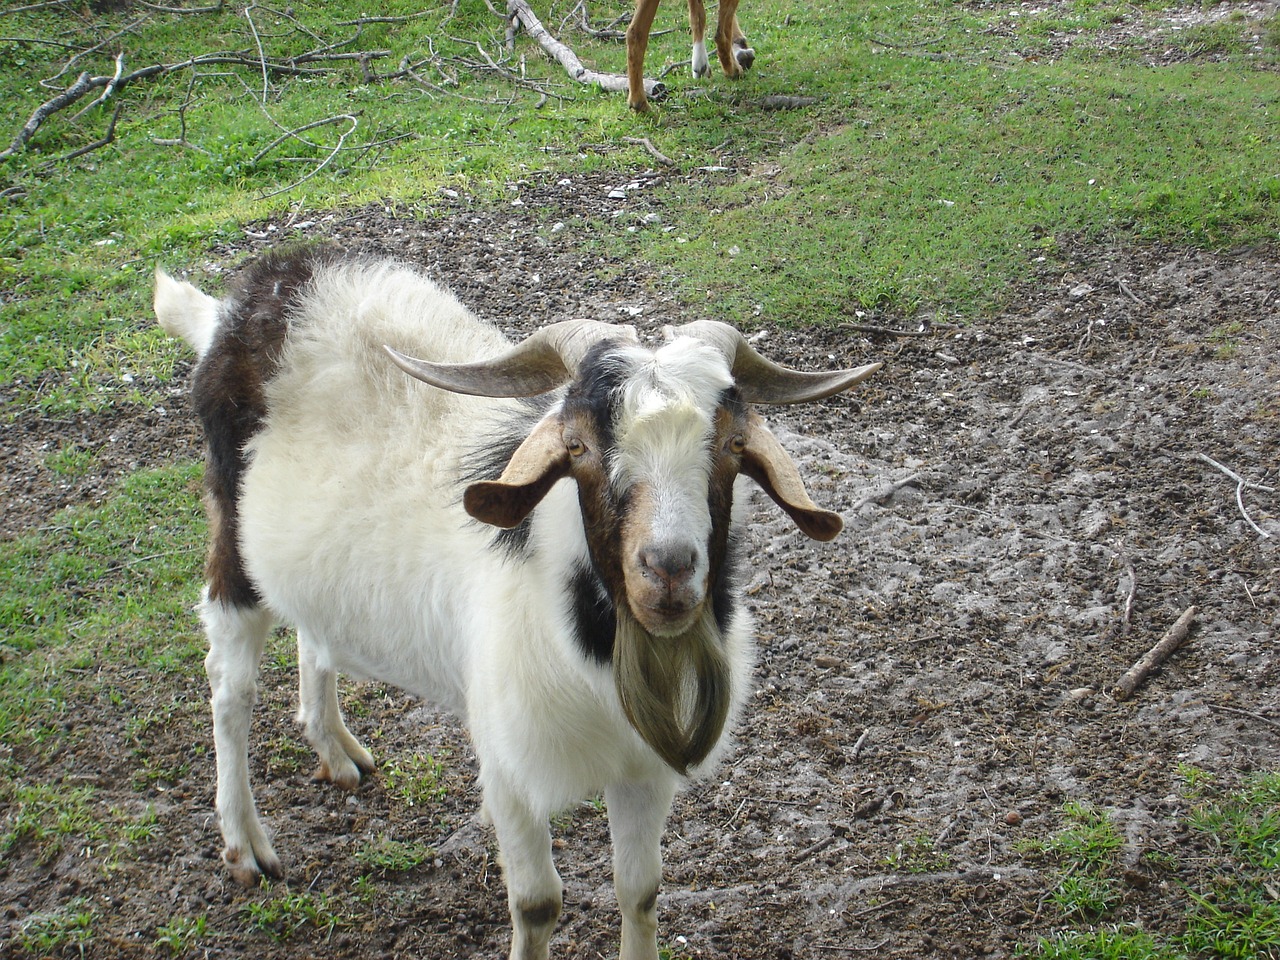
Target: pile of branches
point(76, 89)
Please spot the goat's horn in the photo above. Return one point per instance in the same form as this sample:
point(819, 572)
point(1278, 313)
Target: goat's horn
point(541, 362)
point(760, 379)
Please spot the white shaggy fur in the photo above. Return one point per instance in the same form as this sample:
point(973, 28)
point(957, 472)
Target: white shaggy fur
point(352, 530)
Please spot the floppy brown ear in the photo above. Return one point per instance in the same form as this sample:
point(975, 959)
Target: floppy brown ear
point(765, 462)
point(533, 470)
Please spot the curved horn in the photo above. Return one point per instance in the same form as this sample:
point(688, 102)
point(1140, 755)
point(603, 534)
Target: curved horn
point(759, 378)
point(541, 362)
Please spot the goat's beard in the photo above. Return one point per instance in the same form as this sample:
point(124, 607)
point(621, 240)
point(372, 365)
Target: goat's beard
point(675, 690)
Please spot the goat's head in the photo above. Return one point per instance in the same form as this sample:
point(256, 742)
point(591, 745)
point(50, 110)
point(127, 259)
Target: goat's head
point(654, 439)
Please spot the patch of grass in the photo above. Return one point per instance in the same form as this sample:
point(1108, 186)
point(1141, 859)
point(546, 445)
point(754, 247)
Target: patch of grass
point(926, 175)
point(387, 855)
point(71, 461)
point(1108, 943)
point(918, 855)
point(61, 930)
point(1231, 908)
point(285, 914)
point(181, 935)
point(414, 780)
point(47, 816)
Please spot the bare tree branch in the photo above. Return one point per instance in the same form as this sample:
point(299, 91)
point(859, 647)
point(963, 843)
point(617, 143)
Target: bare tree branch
point(36, 6)
point(82, 85)
point(611, 82)
point(106, 138)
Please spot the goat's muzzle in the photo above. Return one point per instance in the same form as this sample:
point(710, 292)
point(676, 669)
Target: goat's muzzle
point(665, 591)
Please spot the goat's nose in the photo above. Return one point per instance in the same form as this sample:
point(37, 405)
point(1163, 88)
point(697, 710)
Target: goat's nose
point(670, 565)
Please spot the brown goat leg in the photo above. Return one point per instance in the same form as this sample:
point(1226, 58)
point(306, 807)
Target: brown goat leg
point(637, 44)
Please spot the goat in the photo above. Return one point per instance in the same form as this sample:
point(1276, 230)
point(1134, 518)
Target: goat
point(596, 639)
point(736, 56)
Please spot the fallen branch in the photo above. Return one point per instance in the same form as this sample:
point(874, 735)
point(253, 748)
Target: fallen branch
point(1157, 655)
point(1241, 483)
point(609, 82)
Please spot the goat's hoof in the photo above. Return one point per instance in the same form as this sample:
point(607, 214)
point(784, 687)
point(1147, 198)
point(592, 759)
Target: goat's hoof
point(347, 778)
point(745, 57)
point(247, 870)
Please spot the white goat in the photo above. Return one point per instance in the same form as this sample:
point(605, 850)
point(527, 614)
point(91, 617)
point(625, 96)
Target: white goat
point(597, 641)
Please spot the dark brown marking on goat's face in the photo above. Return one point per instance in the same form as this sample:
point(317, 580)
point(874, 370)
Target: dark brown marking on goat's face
point(228, 393)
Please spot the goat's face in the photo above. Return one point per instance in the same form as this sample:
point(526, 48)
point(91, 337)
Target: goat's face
point(655, 440)
point(648, 435)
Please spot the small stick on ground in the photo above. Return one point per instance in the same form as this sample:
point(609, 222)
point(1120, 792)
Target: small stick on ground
point(887, 491)
point(1243, 713)
point(1157, 655)
point(1128, 601)
point(653, 151)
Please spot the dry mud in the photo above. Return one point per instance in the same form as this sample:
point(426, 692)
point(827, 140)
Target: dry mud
point(1028, 509)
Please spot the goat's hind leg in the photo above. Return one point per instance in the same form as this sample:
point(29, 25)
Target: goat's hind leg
point(237, 634)
point(342, 759)
point(736, 55)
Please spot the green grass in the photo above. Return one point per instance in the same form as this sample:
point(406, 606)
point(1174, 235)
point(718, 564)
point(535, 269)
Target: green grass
point(94, 608)
point(414, 780)
point(949, 147)
point(284, 915)
point(181, 935)
point(57, 932)
point(388, 855)
point(1231, 907)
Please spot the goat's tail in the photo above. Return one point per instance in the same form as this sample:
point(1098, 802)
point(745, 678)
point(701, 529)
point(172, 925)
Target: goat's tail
point(183, 311)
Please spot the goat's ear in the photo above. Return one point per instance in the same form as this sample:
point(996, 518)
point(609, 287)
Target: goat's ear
point(765, 462)
point(534, 469)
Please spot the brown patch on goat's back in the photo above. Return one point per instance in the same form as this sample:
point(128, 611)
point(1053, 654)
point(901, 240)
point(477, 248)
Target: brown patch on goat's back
point(228, 392)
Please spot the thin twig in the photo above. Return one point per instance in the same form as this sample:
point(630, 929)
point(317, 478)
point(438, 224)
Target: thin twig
point(216, 8)
point(323, 163)
point(857, 746)
point(884, 331)
point(262, 56)
point(887, 491)
point(1241, 483)
point(36, 6)
point(1128, 601)
point(1157, 655)
point(1243, 713)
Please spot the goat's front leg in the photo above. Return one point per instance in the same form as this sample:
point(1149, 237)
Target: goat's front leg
point(637, 814)
point(698, 28)
point(736, 55)
point(342, 759)
point(535, 894)
point(237, 635)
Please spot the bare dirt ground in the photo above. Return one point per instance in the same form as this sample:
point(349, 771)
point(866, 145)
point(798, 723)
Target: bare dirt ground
point(1028, 510)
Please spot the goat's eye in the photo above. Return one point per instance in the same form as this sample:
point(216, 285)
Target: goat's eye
point(737, 443)
point(575, 447)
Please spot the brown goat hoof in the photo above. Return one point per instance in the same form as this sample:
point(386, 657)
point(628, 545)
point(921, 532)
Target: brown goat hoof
point(745, 56)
